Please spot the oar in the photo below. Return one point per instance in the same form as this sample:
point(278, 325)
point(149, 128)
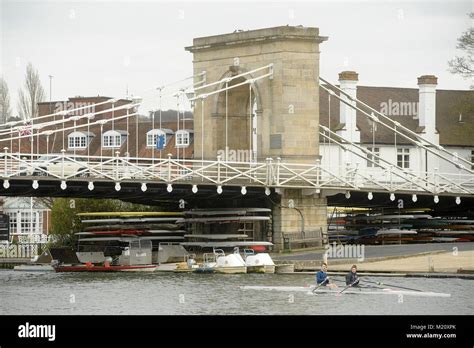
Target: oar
point(322, 283)
point(393, 286)
point(347, 287)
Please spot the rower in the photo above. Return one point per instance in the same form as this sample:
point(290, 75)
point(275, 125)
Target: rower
point(322, 278)
point(352, 278)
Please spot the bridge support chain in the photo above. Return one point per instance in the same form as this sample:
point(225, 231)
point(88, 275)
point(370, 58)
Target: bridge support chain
point(299, 218)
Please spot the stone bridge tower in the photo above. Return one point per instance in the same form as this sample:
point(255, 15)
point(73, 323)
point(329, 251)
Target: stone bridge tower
point(275, 117)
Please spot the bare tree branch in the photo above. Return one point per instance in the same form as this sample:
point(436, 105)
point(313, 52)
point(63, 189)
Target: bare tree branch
point(5, 110)
point(31, 95)
point(46, 201)
point(464, 65)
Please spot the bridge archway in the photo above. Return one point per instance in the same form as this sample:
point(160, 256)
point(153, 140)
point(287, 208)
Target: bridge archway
point(287, 111)
point(235, 116)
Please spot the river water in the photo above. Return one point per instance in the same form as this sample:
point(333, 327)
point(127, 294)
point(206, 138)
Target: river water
point(170, 293)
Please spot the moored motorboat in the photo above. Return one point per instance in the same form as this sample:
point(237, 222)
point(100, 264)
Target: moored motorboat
point(230, 264)
point(40, 263)
point(219, 262)
point(136, 257)
point(105, 268)
point(258, 263)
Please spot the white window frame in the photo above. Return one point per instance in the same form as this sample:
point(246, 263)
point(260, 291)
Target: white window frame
point(403, 157)
point(22, 222)
point(182, 138)
point(373, 151)
point(77, 140)
point(152, 136)
point(112, 139)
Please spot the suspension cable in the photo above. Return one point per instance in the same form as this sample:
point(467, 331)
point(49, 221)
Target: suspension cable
point(250, 121)
point(161, 129)
point(400, 133)
point(405, 129)
point(226, 122)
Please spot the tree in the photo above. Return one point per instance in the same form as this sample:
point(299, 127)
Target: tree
point(464, 65)
point(5, 111)
point(31, 95)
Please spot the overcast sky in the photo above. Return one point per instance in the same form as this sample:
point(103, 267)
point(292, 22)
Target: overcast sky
point(99, 48)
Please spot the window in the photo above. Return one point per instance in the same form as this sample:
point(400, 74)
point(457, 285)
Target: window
point(13, 222)
point(182, 138)
point(25, 224)
point(403, 158)
point(79, 140)
point(113, 138)
point(370, 157)
point(153, 136)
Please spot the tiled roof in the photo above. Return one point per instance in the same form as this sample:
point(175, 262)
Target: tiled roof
point(449, 105)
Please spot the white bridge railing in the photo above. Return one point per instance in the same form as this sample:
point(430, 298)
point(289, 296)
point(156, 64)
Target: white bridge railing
point(268, 174)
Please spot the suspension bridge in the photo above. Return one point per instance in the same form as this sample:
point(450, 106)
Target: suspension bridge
point(267, 108)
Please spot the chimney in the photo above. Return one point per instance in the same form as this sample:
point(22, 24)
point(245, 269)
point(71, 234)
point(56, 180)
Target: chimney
point(347, 115)
point(427, 107)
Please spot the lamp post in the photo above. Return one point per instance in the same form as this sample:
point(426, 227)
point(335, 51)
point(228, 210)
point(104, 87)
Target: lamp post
point(50, 99)
point(50, 92)
point(136, 100)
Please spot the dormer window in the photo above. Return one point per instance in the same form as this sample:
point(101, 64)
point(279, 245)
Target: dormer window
point(79, 140)
point(158, 138)
point(182, 138)
point(113, 138)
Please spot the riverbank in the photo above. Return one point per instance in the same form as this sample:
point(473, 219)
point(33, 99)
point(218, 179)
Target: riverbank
point(401, 259)
point(439, 262)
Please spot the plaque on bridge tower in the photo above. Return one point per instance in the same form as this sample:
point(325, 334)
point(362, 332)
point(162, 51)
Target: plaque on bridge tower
point(4, 227)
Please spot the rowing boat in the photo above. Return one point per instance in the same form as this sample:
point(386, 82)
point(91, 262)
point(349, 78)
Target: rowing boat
point(133, 213)
point(227, 219)
point(228, 244)
point(131, 238)
point(216, 236)
point(354, 290)
point(128, 232)
point(131, 220)
point(110, 268)
point(163, 226)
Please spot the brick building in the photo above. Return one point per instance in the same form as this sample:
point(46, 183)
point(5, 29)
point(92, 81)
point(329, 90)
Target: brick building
point(136, 136)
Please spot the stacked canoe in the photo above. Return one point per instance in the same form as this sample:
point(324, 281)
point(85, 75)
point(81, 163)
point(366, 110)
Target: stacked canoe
point(385, 228)
point(227, 228)
point(157, 227)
